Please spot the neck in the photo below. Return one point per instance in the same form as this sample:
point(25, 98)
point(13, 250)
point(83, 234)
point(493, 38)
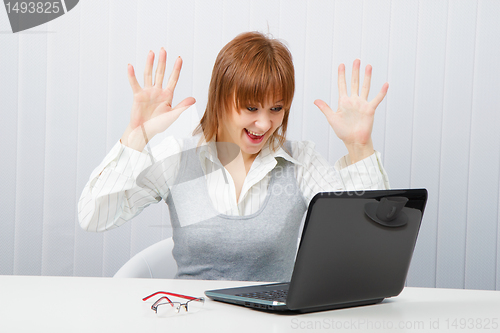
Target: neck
point(248, 160)
point(230, 153)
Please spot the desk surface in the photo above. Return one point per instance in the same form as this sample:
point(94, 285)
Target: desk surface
point(75, 304)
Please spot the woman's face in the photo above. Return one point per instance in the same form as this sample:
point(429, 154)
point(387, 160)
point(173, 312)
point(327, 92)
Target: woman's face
point(251, 127)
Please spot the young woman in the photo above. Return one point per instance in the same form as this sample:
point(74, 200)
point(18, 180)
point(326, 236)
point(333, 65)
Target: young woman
point(236, 190)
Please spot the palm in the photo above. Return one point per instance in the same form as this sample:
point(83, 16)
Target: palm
point(148, 104)
point(353, 121)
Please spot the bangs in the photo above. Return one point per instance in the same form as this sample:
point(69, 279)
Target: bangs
point(264, 74)
point(263, 82)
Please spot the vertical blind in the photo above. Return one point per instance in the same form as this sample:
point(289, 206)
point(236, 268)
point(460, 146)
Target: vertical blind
point(65, 101)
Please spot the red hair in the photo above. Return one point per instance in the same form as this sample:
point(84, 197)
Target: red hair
point(251, 69)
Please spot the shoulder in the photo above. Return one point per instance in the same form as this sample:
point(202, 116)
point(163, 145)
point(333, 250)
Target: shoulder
point(184, 142)
point(168, 147)
point(301, 150)
point(301, 153)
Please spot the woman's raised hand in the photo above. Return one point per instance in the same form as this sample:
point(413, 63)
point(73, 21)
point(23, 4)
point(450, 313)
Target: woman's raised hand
point(353, 121)
point(152, 105)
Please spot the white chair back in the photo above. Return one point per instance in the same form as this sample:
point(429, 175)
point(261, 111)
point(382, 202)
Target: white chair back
point(154, 262)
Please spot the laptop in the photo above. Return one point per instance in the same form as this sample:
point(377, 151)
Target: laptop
point(355, 250)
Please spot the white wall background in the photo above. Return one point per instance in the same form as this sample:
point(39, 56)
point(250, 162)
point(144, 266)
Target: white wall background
point(65, 100)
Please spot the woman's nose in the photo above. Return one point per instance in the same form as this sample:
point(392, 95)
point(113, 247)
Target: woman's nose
point(263, 121)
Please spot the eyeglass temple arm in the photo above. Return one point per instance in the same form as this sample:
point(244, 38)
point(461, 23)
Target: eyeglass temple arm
point(171, 294)
point(157, 303)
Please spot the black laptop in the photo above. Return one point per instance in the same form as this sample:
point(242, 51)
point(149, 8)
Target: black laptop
point(355, 250)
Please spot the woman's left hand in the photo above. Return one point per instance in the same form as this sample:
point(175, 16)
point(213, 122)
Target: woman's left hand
point(353, 121)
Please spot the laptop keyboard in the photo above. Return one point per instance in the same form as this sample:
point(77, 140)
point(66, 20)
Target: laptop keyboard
point(270, 295)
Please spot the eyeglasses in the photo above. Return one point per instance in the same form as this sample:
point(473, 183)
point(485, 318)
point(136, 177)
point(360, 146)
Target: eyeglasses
point(165, 307)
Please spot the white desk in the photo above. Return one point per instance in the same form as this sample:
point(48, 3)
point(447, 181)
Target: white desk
point(70, 304)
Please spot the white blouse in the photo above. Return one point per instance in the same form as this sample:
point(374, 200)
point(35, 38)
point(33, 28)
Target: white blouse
point(111, 197)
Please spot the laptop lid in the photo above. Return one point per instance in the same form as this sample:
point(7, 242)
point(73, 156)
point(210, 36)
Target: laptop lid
point(355, 249)
point(352, 248)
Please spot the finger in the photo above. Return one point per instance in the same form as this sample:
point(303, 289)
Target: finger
point(380, 96)
point(174, 76)
point(365, 90)
point(186, 102)
point(160, 70)
point(148, 71)
point(341, 81)
point(355, 77)
point(132, 79)
point(327, 111)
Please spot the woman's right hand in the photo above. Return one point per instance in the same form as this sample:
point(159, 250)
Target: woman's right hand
point(152, 106)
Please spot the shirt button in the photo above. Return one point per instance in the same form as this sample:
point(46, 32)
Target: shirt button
point(112, 164)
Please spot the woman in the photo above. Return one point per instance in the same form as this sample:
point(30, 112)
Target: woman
point(237, 190)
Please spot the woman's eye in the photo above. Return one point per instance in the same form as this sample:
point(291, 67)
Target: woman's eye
point(277, 108)
point(250, 108)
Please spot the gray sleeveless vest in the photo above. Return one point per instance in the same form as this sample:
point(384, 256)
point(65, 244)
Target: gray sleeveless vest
point(209, 245)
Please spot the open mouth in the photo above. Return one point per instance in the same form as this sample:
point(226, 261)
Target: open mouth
point(254, 137)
